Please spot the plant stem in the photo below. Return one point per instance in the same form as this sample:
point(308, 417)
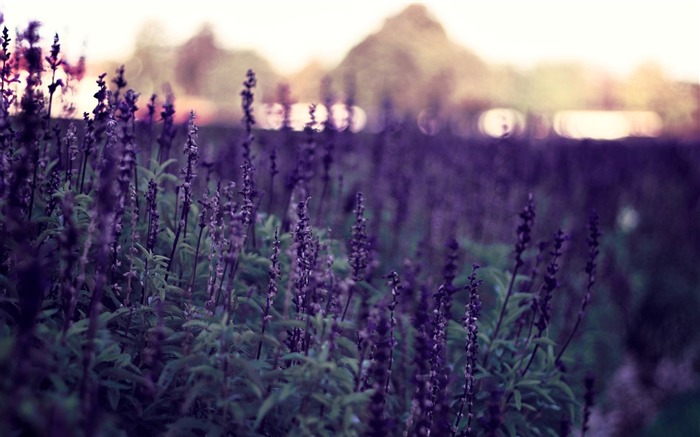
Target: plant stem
point(502, 314)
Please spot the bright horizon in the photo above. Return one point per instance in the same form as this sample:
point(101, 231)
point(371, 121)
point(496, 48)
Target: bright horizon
point(617, 35)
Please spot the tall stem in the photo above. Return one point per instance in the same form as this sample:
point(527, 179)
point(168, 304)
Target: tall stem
point(502, 314)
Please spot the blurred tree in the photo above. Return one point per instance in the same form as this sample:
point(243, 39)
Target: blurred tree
point(197, 68)
point(412, 59)
point(648, 88)
point(195, 59)
point(208, 71)
point(304, 84)
point(145, 70)
point(550, 87)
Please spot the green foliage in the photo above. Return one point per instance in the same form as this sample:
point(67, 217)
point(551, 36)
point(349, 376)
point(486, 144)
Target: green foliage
point(171, 365)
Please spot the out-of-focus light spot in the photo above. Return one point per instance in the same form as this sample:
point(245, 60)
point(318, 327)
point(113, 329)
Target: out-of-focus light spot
point(607, 125)
point(300, 117)
point(500, 122)
point(342, 117)
point(65, 96)
point(627, 219)
point(272, 116)
point(429, 122)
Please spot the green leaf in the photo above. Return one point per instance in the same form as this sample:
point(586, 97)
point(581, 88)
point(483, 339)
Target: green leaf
point(350, 362)
point(125, 374)
point(77, 328)
point(544, 341)
point(514, 314)
point(164, 165)
point(113, 396)
point(528, 383)
point(322, 398)
point(349, 347)
point(544, 393)
point(529, 407)
point(111, 354)
point(352, 398)
point(168, 374)
point(563, 387)
point(517, 397)
point(266, 406)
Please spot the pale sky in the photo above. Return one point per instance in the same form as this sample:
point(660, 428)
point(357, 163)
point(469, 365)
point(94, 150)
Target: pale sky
point(616, 35)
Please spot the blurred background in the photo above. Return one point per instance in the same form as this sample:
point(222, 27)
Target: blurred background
point(596, 69)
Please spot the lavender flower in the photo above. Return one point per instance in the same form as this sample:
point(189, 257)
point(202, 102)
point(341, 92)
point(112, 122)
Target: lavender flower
point(550, 282)
point(472, 311)
point(71, 143)
point(439, 372)
point(359, 247)
point(189, 171)
point(120, 82)
point(68, 242)
point(52, 186)
point(437, 415)
point(236, 239)
point(86, 150)
point(449, 271)
point(54, 62)
point(247, 98)
point(593, 251)
point(271, 288)
point(101, 110)
point(359, 244)
point(153, 228)
point(524, 232)
point(205, 207)
point(396, 288)
point(32, 105)
point(274, 171)
point(378, 423)
point(303, 263)
point(544, 305)
point(151, 106)
point(422, 402)
point(588, 398)
point(153, 215)
point(215, 231)
point(7, 64)
point(167, 135)
point(248, 193)
point(366, 342)
point(102, 217)
point(131, 274)
point(188, 174)
point(127, 164)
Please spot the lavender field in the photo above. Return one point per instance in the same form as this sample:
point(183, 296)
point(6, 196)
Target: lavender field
point(167, 278)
